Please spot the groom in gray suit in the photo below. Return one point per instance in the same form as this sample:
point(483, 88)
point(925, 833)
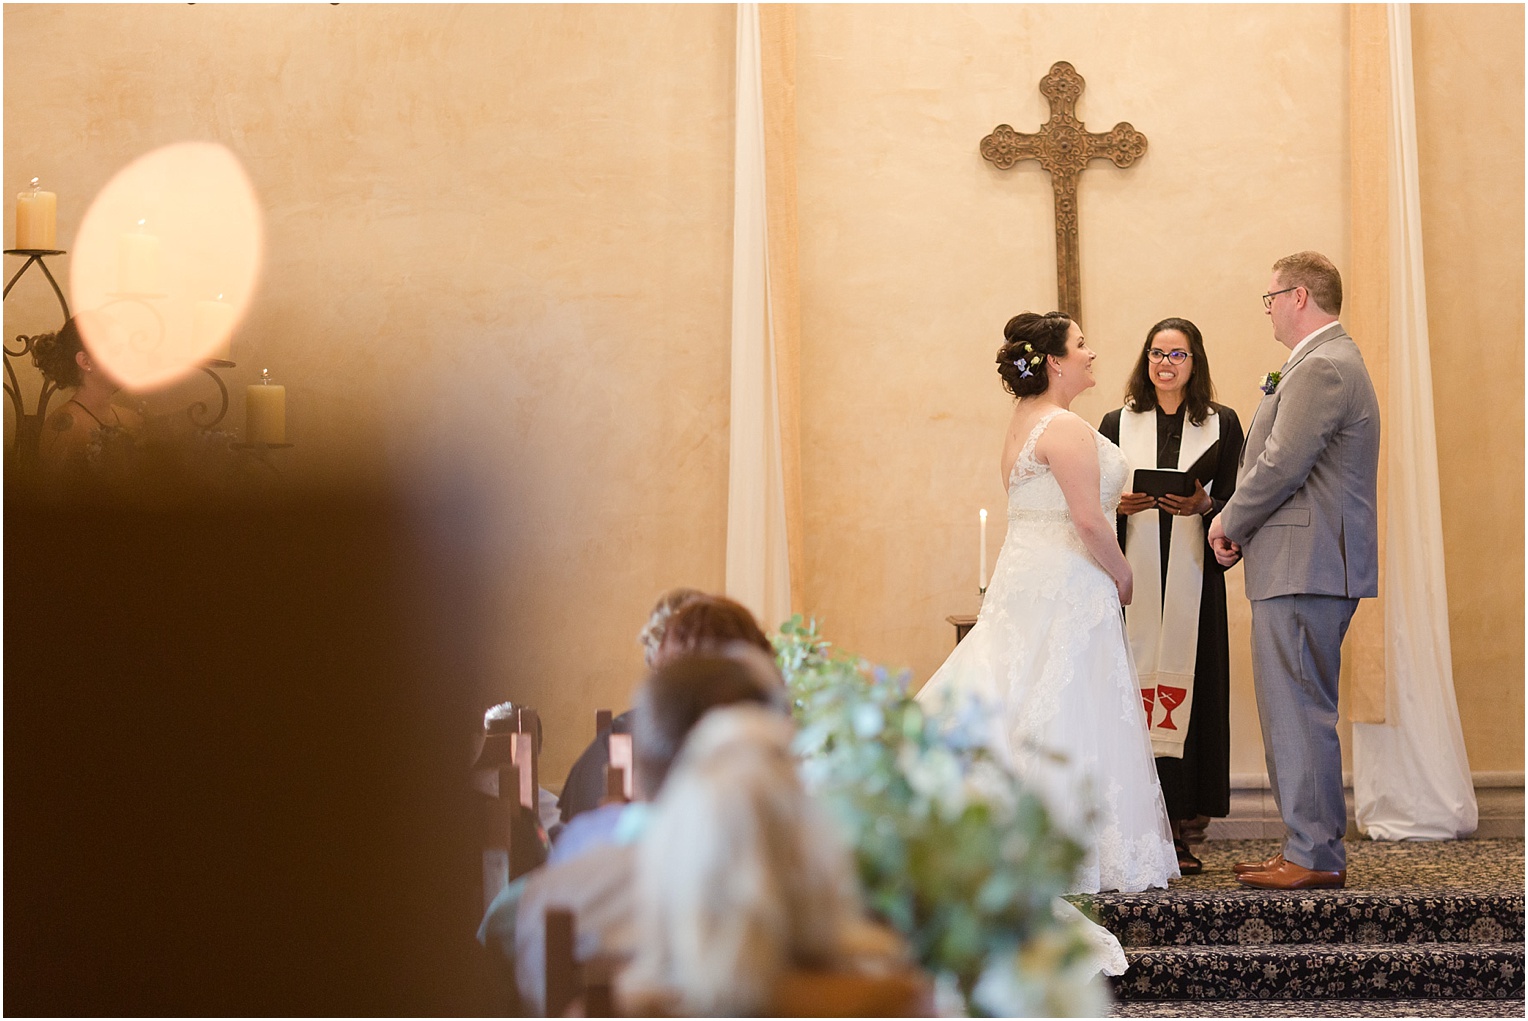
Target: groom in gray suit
point(1304, 515)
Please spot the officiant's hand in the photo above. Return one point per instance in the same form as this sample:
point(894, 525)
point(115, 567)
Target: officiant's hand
point(1198, 503)
point(1134, 503)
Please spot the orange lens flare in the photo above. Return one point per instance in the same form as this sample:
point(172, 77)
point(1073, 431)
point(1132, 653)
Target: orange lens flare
point(165, 263)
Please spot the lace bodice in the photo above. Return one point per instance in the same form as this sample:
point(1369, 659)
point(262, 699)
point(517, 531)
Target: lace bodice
point(1033, 491)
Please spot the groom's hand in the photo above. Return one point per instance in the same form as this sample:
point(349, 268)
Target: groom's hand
point(1227, 553)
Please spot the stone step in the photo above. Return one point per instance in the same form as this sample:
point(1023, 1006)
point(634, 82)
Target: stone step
point(1243, 917)
point(1319, 1008)
point(1313, 971)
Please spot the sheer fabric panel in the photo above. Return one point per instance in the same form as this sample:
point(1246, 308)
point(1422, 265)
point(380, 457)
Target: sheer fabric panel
point(1411, 773)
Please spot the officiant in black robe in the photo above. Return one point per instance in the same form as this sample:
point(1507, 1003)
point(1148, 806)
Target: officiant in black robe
point(1178, 631)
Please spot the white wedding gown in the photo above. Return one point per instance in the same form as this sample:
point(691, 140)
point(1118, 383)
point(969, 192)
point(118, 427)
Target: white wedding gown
point(1049, 654)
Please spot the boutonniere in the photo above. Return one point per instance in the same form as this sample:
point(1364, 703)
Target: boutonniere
point(1270, 382)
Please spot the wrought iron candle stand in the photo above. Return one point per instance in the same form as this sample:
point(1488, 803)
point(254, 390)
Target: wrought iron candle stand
point(260, 453)
point(28, 439)
point(29, 427)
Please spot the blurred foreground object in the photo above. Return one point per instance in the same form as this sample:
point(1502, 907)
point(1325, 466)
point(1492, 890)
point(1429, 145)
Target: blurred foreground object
point(952, 849)
point(234, 735)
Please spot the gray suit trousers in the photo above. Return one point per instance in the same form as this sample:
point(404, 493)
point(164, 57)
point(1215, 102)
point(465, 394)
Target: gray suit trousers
point(1296, 660)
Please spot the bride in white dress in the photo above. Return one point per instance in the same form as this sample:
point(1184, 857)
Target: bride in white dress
point(1049, 650)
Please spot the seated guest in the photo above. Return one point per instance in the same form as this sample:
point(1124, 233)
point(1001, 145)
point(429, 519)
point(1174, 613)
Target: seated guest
point(745, 895)
point(506, 825)
point(585, 786)
point(702, 624)
point(597, 884)
point(500, 719)
point(90, 418)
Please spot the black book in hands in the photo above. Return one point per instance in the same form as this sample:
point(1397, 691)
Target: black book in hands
point(1160, 482)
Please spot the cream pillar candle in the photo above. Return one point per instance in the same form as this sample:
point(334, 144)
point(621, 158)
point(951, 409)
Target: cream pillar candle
point(36, 219)
point(265, 411)
point(212, 328)
point(981, 573)
point(138, 263)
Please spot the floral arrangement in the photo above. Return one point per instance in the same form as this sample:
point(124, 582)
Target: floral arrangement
point(1270, 382)
point(952, 851)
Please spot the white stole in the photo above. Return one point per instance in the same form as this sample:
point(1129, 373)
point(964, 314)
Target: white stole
point(1164, 632)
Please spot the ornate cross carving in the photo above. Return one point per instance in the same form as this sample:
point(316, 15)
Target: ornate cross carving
point(1063, 147)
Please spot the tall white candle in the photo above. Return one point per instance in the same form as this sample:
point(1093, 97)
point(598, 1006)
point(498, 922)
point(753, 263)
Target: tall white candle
point(982, 547)
point(138, 263)
point(36, 219)
point(212, 328)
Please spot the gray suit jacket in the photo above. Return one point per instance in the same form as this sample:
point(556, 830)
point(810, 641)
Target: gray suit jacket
point(1304, 508)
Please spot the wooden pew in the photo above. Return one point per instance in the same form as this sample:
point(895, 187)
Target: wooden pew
point(512, 841)
point(569, 982)
point(618, 775)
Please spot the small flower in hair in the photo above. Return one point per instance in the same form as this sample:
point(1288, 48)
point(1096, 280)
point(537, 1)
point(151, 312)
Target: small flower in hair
point(1023, 367)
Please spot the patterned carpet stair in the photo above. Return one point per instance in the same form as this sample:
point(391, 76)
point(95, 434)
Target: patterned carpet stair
point(1423, 929)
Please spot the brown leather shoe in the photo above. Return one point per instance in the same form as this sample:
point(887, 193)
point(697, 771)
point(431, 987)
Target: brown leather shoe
point(1241, 868)
point(1286, 875)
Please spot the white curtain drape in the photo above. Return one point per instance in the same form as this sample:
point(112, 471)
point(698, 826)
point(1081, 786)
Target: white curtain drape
point(1411, 774)
point(758, 559)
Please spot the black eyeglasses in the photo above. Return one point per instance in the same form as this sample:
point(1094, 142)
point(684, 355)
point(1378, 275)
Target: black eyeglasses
point(1268, 298)
point(1175, 357)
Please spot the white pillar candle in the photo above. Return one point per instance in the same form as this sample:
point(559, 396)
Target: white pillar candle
point(982, 550)
point(138, 263)
point(212, 328)
point(265, 411)
point(36, 219)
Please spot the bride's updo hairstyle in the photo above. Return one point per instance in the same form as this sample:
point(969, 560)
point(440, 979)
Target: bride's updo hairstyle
point(1027, 339)
point(53, 354)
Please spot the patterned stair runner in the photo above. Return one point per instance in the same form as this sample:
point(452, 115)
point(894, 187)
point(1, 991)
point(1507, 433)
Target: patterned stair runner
point(1423, 929)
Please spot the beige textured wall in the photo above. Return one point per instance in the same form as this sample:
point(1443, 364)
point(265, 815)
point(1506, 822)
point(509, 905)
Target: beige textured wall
point(915, 252)
point(1469, 71)
point(499, 238)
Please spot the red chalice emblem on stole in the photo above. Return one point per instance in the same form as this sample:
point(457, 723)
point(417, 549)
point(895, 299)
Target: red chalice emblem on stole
point(1171, 698)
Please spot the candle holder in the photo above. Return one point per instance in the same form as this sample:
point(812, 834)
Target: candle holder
point(199, 408)
point(260, 453)
point(28, 438)
point(140, 340)
point(29, 426)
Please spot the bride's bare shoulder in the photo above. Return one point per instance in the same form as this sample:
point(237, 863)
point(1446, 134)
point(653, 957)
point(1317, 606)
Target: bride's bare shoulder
point(1064, 432)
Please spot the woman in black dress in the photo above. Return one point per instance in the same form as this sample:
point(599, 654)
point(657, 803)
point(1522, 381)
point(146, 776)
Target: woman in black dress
point(1177, 622)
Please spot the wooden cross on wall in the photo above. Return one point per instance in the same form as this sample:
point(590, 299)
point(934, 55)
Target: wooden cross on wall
point(1063, 147)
